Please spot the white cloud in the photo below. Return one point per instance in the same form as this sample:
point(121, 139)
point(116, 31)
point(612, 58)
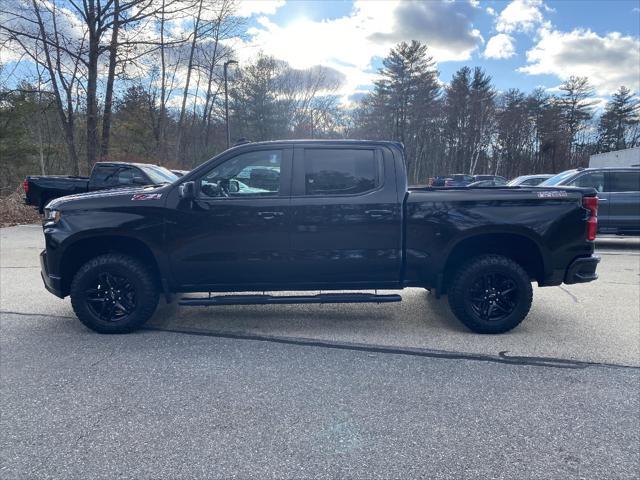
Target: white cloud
point(521, 16)
point(608, 61)
point(500, 46)
point(446, 27)
point(491, 11)
point(350, 43)
point(247, 8)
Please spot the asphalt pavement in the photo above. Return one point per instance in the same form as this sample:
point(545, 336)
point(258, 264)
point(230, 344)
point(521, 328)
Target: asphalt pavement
point(349, 391)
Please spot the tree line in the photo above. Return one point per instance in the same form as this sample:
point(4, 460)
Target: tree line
point(467, 126)
point(142, 80)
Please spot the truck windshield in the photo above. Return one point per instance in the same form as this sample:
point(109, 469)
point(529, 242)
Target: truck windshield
point(158, 174)
point(557, 179)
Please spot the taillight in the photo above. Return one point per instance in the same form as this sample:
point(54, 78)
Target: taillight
point(25, 185)
point(591, 204)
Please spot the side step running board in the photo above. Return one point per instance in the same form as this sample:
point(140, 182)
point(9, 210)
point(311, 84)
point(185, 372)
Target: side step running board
point(279, 300)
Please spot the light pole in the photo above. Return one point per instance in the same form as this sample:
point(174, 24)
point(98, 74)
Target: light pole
point(226, 99)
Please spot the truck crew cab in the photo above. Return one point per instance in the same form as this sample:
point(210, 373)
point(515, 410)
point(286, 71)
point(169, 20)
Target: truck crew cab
point(314, 215)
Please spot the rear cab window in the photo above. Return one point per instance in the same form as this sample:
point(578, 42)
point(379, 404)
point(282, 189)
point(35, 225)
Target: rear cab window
point(103, 174)
point(341, 171)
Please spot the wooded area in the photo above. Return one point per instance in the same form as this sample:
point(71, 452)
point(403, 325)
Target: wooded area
point(142, 80)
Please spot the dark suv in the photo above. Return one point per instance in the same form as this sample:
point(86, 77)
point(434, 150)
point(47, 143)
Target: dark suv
point(618, 193)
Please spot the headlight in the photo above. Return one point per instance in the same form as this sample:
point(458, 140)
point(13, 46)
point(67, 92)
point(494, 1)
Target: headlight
point(51, 215)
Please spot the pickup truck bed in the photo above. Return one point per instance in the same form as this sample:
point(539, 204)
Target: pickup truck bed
point(315, 215)
point(39, 190)
point(447, 225)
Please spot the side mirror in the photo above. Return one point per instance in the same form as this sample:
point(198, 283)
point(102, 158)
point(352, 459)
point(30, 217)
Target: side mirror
point(187, 190)
point(234, 186)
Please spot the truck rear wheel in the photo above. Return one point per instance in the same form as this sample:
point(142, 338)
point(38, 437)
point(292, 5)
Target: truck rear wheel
point(491, 294)
point(114, 293)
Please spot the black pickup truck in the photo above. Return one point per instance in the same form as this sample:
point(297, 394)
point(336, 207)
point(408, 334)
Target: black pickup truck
point(40, 190)
point(314, 215)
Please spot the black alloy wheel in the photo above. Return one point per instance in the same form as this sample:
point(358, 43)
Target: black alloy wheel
point(490, 294)
point(112, 298)
point(493, 296)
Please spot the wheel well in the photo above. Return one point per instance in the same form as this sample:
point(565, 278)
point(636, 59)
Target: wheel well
point(84, 250)
point(519, 248)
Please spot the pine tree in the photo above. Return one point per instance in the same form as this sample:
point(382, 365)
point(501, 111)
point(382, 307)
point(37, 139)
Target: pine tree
point(456, 111)
point(577, 110)
point(403, 103)
point(618, 124)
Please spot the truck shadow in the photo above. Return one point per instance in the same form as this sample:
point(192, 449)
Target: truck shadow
point(418, 314)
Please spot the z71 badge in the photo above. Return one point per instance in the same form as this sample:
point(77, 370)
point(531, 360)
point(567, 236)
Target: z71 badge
point(552, 194)
point(147, 196)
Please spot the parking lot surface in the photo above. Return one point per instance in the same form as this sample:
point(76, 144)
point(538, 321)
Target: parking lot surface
point(349, 391)
point(160, 405)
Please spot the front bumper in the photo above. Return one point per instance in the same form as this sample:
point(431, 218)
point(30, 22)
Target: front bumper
point(52, 283)
point(582, 270)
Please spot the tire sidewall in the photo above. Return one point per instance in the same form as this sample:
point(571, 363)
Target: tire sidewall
point(134, 272)
point(460, 298)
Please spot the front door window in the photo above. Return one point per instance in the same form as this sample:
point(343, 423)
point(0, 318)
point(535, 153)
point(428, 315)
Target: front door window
point(251, 174)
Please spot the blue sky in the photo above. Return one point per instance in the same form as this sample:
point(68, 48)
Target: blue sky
point(520, 43)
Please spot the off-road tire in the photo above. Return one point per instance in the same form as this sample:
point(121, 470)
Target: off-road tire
point(142, 280)
point(462, 285)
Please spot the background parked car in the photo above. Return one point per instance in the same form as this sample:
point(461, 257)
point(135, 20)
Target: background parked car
point(438, 181)
point(529, 180)
point(463, 180)
point(180, 173)
point(458, 180)
point(495, 182)
point(495, 178)
point(41, 189)
point(618, 194)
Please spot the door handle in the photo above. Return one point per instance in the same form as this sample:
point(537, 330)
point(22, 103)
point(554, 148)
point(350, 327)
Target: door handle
point(270, 215)
point(378, 213)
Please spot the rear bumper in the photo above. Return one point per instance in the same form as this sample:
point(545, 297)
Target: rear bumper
point(582, 270)
point(52, 283)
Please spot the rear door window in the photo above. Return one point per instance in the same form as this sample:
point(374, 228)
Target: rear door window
point(340, 171)
point(593, 180)
point(623, 182)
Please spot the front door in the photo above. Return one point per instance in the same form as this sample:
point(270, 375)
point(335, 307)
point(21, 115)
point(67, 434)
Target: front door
point(346, 217)
point(235, 233)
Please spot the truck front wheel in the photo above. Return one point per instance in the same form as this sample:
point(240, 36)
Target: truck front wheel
point(114, 293)
point(490, 294)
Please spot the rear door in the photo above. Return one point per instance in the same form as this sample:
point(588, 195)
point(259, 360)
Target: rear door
point(346, 216)
point(623, 190)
